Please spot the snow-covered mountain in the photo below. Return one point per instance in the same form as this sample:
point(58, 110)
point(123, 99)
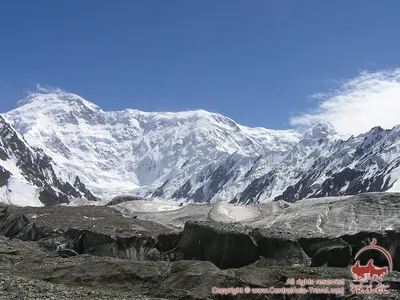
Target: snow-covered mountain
point(201, 156)
point(27, 176)
point(331, 167)
point(132, 151)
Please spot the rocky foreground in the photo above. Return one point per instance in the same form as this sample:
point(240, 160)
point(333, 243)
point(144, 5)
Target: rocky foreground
point(124, 251)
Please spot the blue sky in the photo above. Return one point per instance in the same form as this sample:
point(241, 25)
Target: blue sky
point(254, 61)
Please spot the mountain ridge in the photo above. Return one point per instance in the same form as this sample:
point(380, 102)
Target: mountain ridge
point(66, 130)
point(199, 156)
point(27, 175)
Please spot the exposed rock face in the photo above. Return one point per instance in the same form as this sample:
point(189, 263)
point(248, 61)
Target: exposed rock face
point(27, 175)
point(279, 249)
point(330, 252)
point(90, 230)
point(4, 176)
point(226, 245)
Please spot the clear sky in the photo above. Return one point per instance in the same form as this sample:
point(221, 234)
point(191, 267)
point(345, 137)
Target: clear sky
point(254, 61)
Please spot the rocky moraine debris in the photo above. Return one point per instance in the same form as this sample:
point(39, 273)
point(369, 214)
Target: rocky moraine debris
point(90, 252)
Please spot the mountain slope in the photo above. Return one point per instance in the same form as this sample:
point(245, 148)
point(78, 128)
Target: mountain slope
point(27, 176)
point(251, 176)
point(365, 163)
point(200, 156)
point(132, 151)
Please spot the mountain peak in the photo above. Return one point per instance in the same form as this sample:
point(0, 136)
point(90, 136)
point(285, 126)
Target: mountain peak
point(320, 130)
point(194, 155)
point(40, 100)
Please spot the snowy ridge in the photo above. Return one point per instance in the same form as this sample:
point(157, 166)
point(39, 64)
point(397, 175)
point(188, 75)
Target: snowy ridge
point(365, 163)
point(120, 152)
point(202, 157)
point(27, 176)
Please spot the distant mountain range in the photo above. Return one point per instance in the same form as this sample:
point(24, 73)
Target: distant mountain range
point(55, 147)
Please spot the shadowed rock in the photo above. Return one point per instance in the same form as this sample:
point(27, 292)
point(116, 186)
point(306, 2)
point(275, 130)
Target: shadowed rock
point(330, 252)
point(227, 246)
point(120, 199)
point(280, 248)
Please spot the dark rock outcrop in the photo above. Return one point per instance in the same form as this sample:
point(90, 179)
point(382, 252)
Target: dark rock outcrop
point(280, 248)
point(120, 199)
point(11, 226)
point(37, 168)
point(332, 252)
point(4, 176)
point(226, 245)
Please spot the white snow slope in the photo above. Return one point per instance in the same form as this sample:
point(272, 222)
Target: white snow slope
point(131, 151)
point(27, 176)
point(198, 156)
